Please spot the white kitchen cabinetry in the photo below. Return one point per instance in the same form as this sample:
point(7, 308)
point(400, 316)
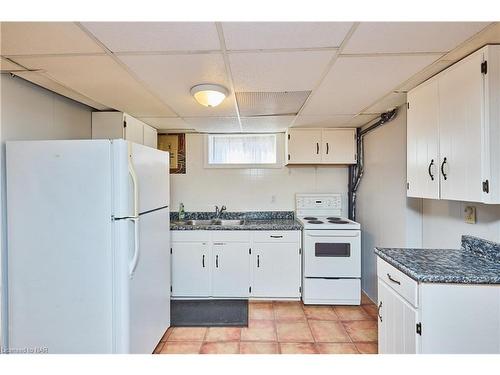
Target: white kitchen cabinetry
point(190, 260)
point(459, 111)
point(236, 264)
point(276, 266)
point(435, 318)
point(397, 322)
point(150, 136)
point(321, 146)
point(423, 141)
point(231, 272)
point(115, 125)
point(304, 146)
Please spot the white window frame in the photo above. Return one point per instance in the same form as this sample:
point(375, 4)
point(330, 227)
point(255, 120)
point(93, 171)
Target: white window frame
point(280, 152)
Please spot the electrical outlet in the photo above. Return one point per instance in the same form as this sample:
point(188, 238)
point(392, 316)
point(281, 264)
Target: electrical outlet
point(470, 214)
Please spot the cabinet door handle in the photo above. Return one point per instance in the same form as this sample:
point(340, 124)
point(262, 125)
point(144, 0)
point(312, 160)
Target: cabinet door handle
point(217, 261)
point(430, 171)
point(258, 261)
point(378, 311)
point(276, 236)
point(327, 148)
point(393, 280)
point(203, 261)
point(317, 148)
point(442, 168)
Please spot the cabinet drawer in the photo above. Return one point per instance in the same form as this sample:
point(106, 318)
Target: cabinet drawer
point(190, 236)
point(404, 285)
point(231, 236)
point(277, 236)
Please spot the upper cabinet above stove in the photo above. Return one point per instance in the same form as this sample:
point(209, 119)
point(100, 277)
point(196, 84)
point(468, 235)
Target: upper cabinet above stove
point(453, 132)
point(321, 146)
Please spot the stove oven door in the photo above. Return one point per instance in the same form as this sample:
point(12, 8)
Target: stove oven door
point(332, 253)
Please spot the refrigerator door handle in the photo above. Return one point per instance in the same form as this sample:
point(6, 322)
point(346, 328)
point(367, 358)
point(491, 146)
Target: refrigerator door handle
point(133, 175)
point(135, 258)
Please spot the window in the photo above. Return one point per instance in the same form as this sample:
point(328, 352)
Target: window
point(245, 150)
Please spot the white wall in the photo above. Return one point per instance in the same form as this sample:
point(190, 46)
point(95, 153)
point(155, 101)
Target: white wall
point(30, 112)
point(248, 189)
point(443, 223)
point(388, 218)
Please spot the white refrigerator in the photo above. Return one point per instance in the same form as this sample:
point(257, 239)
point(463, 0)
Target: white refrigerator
point(88, 247)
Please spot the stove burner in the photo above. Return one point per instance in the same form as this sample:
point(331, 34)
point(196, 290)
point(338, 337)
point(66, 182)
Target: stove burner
point(315, 222)
point(333, 218)
point(310, 218)
point(338, 221)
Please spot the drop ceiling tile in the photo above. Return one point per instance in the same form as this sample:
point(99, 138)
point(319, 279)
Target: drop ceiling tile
point(266, 124)
point(101, 79)
point(214, 124)
point(35, 38)
point(171, 77)
point(399, 37)
point(354, 83)
point(165, 123)
point(278, 71)
point(155, 36)
point(41, 80)
point(272, 35)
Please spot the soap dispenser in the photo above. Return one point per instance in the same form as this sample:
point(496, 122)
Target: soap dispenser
point(182, 213)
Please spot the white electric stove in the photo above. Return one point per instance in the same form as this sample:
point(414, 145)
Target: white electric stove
point(331, 251)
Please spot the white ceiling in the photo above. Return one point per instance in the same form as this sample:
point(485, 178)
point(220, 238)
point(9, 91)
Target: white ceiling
point(354, 70)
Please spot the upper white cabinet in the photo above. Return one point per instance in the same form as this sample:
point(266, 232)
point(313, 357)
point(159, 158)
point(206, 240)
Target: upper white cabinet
point(453, 132)
point(423, 141)
point(113, 125)
point(321, 146)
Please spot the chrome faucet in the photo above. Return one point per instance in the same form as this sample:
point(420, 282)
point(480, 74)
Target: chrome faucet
point(218, 212)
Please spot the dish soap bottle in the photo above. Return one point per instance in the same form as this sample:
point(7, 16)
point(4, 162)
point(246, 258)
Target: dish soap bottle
point(182, 213)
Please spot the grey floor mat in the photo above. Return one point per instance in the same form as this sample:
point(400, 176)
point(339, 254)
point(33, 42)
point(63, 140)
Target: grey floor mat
point(209, 313)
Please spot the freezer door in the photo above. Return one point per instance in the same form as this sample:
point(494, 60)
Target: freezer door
point(147, 305)
point(60, 257)
point(141, 179)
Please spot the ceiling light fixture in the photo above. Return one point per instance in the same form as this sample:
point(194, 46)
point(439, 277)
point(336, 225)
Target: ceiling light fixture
point(209, 95)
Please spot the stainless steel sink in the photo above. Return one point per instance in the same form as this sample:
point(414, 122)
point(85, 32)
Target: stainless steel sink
point(227, 222)
point(211, 222)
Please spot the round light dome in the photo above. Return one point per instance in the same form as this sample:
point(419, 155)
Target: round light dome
point(209, 95)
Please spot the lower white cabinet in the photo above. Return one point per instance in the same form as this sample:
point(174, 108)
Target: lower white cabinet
point(435, 318)
point(276, 270)
point(231, 269)
point(236, 264)
point(192, 273)
point(397, 322)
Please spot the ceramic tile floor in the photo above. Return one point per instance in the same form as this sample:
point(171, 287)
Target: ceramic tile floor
point(277, 327)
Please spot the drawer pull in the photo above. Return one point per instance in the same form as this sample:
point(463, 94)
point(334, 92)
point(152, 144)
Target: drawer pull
point(219, 243)
point(217, 261)
point(272, 236)
point(203, 261)
point(393, 280)
point(378, 311)
point(258, 261)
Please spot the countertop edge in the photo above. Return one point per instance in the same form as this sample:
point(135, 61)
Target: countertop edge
point(434, 279)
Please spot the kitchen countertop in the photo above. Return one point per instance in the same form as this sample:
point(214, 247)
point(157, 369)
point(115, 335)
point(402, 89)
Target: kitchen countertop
point(262, 220)
point(477, 262)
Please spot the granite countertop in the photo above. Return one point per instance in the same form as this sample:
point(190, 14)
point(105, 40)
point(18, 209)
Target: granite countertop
point(477, 262)
point(263, 220)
